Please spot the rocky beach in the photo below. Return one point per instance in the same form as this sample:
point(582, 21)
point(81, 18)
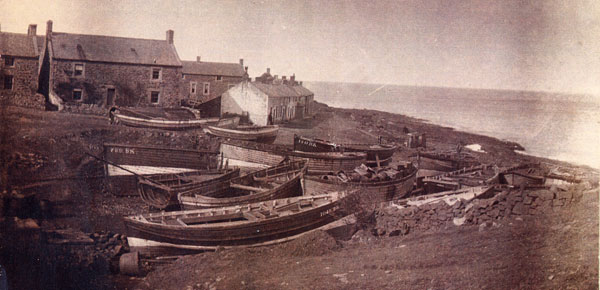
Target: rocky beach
point(518, 238)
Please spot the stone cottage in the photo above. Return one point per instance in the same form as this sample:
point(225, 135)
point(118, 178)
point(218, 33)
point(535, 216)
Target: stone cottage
point(108, 70)
point(19, 63)
point(268, 98)
point(203, 83)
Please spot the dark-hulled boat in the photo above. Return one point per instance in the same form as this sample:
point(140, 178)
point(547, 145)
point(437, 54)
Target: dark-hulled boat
point(262, 134)
point(151, 160)
point(255, 224)
point(444, 162)
point(258, 155)
point(284, 180)
point(377, 154)
point(162, 190)
point(385, 185)
point(165, 118)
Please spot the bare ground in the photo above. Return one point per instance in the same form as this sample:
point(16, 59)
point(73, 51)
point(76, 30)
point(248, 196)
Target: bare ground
point(556, 250)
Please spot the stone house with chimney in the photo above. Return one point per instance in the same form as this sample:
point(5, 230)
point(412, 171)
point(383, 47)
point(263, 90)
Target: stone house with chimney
point(108, 71)
point(204, 82)
point(19, 64)
point(281, 99)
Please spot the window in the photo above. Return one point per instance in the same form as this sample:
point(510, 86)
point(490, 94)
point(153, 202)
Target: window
point(78, 70)
point(193, 86)
point(219, 78)
point(206, 90)
point(154, 97)
point(8, 82)
point(77, 94)
point(9, 61)
point(156, 73)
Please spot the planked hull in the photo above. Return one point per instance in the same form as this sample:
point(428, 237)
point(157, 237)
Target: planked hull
point(272, 183)
point(257, 155)
point(375, 152)
point(374, 192)
point(151, 160)
point(262, 134)
point(161, 191)
point(444, 162)
point(248, 225)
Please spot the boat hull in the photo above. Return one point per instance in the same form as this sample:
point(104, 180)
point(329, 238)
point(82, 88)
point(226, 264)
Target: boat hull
point(259, 155)
point(264, 134)
point(218, 194)
point(151, 160)
point(372, 192)
point(239, 232)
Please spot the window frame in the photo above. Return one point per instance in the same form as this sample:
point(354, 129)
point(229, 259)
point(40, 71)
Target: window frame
point(75, 70)
point(157, 97)
point(206, 89)
point(193, 88)
point(159, 69)
point(8, 58)
point(12, 82)
point(80, 99)
point(218, 78)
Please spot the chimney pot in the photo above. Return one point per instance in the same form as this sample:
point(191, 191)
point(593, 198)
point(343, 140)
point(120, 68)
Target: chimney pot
point(283, 78)
point(246, 69)
point(32, 30)
point(170, 33)
point(269, 70)
point(198, 58)
point(242, 62)
point(49, 28)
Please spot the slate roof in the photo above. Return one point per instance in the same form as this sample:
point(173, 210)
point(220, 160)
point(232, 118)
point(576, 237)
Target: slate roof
point(19, 44)
point(213, 68)
point(282, 90)
point(113, 49)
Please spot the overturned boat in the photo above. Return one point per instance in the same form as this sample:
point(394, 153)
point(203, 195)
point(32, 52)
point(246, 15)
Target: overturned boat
point(377, 154)
point(262, 134)
point(258, 155)
point(256, 224)
point(276, 182)
point(375, 186)
point(444, 162)
point(162, 190)
point(165, 118)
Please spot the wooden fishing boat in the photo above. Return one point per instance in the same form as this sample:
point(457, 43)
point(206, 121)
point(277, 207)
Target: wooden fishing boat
point(465, 177)
point(382, 187)
point(281, 181)
point(377, 154)
point(256, 224)
point(257, 155)
point(445, 161)
point(263, 134)
point(151, 160)
point(165, 118)
point(161, 191)
point(450, 196)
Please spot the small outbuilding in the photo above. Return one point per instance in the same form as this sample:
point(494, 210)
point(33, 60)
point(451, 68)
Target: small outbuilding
point(268, 100)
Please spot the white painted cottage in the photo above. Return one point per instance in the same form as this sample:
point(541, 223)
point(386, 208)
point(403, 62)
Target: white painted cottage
point(283, 99)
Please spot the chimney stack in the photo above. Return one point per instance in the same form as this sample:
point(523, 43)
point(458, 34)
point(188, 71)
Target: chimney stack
point(49, 29)
point(242, 62)
point(0, 28)
point(197, 58)
point(269, 70)
point(246, 69)
point(293, 78)
point(170, 36)
point(32, 30)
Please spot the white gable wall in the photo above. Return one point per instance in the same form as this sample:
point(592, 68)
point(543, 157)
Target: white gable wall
point(244, 98)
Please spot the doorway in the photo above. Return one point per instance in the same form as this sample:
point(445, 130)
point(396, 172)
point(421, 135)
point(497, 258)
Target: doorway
point(110, 97)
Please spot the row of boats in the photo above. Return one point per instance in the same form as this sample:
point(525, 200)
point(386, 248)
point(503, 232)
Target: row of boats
point(248, 193)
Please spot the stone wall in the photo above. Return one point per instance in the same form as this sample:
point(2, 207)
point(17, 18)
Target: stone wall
point(25, 83)
point(394, 220)
point(132, 83)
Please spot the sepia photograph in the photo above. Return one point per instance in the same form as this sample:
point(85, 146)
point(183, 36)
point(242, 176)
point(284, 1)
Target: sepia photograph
point(279, 144)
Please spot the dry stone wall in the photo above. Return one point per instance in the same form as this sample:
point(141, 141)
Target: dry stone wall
point(394, 220)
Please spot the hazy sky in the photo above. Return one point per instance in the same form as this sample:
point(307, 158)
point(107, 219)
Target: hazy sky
point(532, 45)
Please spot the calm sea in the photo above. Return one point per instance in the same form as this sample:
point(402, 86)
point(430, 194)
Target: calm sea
point(558, 126)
